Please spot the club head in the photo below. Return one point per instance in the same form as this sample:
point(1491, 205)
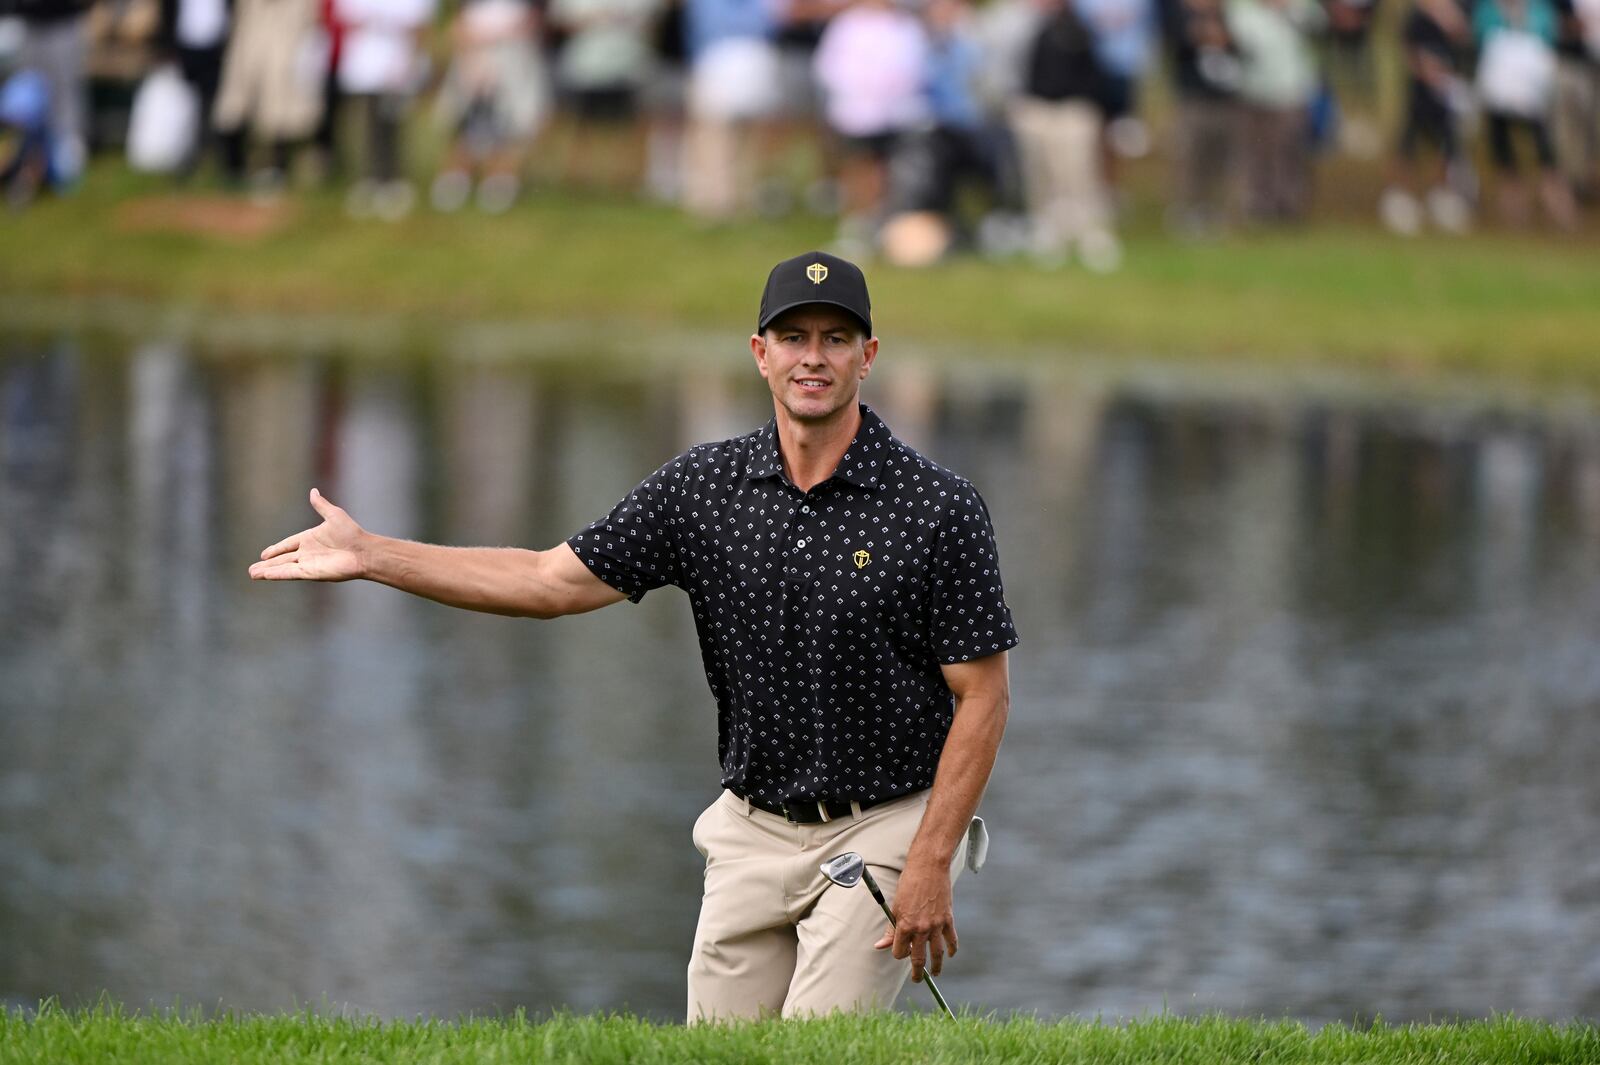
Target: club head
point(845, 870)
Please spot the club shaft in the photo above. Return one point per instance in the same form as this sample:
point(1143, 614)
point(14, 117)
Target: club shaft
point(927, 977)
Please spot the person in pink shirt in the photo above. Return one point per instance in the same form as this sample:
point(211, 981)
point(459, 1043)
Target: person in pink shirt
point(871, 66)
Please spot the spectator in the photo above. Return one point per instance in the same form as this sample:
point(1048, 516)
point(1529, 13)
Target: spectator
point(1516, 82)
point(271, 85)
point(1278, 79)
point(381, 66)
point(1122, 31)
point(494, 101)
point(1577, 106)
point(1058, 123)
point(25, 148)
point(195, 34)
point(601, 67)
point(662, 101)
point(122, 51)
point(870, 66)
point(932, 160)
point(1353, 74)
point(734, 82)
point(792, 130)
point(1207, 120)
point(56, 45)
point(964, 146)
point(325, 139)
point(1434, 34)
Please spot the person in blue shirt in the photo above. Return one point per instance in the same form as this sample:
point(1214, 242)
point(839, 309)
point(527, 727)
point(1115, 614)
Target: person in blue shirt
point(25, 139)
point(734, 89)
point(1123, 32)
point(964, 144)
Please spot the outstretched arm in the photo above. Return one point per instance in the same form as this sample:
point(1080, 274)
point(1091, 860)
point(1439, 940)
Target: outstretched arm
point(496, 580)
point(925, 925)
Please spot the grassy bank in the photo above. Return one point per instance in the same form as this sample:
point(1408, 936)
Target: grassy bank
point(61, 1037)
point(1339, 293)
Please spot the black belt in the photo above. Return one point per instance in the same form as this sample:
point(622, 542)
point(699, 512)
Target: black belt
point(812, 812)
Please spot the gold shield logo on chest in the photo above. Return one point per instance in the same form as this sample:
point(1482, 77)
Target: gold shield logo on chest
point(861, 558)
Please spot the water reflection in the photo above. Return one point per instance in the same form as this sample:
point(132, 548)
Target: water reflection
point(1304, 718)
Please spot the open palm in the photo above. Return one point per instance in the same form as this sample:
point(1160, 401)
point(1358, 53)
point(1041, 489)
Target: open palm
point(328, 552)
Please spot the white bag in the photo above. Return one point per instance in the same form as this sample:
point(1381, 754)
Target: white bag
point(1517, 74)
point(164, 122)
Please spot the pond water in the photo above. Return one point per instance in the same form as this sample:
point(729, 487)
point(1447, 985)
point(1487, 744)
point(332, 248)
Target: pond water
point(1305, 711)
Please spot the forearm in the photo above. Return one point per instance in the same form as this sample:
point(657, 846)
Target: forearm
point(509, 581)
point(963, 774)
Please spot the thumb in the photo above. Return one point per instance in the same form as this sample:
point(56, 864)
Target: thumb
point(321, 505)
point(886, 940)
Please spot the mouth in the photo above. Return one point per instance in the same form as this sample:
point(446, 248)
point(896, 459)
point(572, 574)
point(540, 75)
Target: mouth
point(812, 384)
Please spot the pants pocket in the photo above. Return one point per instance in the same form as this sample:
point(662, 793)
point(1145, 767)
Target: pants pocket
point(697, 834)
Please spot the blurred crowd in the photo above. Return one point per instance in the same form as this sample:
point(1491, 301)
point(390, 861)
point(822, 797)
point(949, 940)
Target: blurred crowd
point(1001, 125)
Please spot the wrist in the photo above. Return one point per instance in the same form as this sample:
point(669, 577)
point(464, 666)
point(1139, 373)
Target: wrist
point(929, 855)
point(372, 556)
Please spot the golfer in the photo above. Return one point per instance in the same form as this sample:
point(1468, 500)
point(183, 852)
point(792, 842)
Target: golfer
point(848, 600)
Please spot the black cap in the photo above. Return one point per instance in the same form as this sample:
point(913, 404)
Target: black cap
point(815, 277)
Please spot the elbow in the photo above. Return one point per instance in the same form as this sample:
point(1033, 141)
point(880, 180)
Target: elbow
point(1002, 711)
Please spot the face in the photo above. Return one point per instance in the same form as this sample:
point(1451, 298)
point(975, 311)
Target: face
point(814, 359)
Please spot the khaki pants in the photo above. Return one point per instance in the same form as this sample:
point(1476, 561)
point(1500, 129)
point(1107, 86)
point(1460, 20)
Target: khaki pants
point(775, 937)
point(1059, 146)
point(1576, 119)
point(716, 166)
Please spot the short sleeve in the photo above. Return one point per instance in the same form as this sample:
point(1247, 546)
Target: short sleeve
point(970, 618)
point(633, 549)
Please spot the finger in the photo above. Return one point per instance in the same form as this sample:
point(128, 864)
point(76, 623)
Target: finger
point(950, 938)
point(288, 543)
point(886, 940)
point(267, 569)
point(935, 954)
point(919, 956)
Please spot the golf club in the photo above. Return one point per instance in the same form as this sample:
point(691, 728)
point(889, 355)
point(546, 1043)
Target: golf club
point(848, 870)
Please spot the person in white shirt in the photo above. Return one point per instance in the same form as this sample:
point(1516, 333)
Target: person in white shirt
point(381, 66)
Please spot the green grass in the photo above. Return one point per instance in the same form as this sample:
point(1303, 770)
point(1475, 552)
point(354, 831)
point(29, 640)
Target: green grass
point(1341, 293)
point(60, 1037)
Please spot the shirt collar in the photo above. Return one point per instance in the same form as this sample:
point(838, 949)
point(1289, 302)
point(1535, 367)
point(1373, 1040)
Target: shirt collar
point(861, 463)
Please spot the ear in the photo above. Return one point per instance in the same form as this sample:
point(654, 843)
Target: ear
point(758, 348)
point(869, 351)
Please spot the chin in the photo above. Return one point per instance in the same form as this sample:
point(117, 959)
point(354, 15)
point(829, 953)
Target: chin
point(814, 408)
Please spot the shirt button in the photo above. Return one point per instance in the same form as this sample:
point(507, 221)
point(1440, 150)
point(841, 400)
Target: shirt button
point(802, 543)
point(805, 510)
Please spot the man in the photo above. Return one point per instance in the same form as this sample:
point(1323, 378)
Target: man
point(854, 629)
point(56, 45)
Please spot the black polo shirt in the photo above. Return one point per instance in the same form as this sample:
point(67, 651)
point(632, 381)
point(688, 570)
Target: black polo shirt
point(824, 615)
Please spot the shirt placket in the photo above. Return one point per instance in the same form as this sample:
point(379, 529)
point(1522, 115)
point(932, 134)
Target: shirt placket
point(804, 629)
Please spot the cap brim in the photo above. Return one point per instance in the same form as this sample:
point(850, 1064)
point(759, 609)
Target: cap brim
point(761, 326)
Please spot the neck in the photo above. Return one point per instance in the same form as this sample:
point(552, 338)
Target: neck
point(811, 450)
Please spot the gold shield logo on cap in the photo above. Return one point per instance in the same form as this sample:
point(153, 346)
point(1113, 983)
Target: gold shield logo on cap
point(861, 559)
point(817, 273)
